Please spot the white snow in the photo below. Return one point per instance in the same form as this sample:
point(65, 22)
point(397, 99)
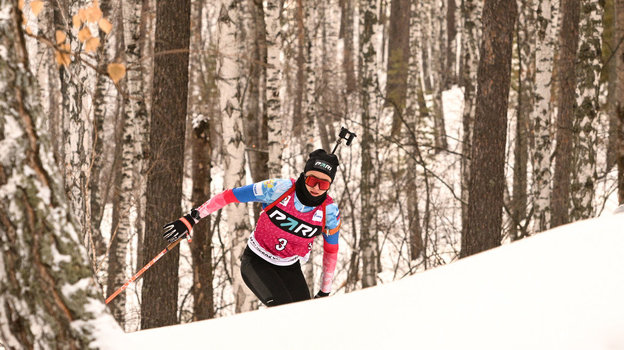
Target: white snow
point(562, 289)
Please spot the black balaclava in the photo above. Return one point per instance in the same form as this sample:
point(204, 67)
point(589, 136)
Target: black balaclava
point(304, 195)
point(320, 161)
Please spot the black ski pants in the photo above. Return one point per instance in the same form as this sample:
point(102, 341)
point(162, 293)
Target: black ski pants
point(273, 285)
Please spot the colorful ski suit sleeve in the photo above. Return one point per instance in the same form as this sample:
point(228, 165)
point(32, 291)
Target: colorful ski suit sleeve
point(330, 247)
point(265, 192)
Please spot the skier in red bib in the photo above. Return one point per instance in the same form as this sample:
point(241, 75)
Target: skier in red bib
point(295, 213)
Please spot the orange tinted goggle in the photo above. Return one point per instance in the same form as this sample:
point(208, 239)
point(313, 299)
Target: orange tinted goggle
point(313, 181)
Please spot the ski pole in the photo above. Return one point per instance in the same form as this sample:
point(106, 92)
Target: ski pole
point(138, 274)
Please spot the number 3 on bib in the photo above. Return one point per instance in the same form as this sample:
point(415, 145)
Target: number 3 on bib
point(282, 244)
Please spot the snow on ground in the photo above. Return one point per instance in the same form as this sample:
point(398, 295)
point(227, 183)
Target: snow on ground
point(562, 289)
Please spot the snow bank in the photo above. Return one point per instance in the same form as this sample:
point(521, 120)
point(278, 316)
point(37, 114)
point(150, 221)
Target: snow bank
point(562, 289)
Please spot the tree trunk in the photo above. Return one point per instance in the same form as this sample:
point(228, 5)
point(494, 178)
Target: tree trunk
point(619, 56)
point(451, 45)
point(398, 56)
point(610, 58)
point(487, 178)
point(311, 77)
point(588, 68)
point(108, 108)
point(412, 114)
point(427, 40)
point(274, 35)
point(568, 38)
point(541, 117)
point(201, 246)
point(526, 77)
point(49, 299)
point(471, 34)
point(368, 85)
point(347, 35)
point(438, 77)
point(77, 143)
point(298, 123)
point(234, 157)
point(164, 183)
point(143, 20)
point(203, 108)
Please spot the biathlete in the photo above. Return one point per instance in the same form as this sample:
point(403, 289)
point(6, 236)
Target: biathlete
point(294, 213)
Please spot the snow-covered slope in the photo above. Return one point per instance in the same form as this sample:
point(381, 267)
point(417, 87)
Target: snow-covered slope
point(562, 289)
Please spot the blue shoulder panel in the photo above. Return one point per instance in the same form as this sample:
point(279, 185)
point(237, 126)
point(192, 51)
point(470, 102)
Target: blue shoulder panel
point(264, 192)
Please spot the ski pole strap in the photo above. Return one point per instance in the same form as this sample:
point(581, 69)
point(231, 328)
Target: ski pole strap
point(188, 226)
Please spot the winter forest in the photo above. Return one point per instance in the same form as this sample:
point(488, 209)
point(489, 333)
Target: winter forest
point(478, 123)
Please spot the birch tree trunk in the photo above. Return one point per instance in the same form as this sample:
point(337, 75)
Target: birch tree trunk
point(427, 40)
point(471, 35)
point(568, 38)
point(311, 85)
point(77, 144)
point(542, 116)
point(106, 109)
point(134, 120)
point(589, 66)
point(274, 35)
point(49, 299)
point(125, 150)
point(300, 93)
point(164, 183)
point(234, 158)
point(142, 19)
point(368, 84)
point(526, 77)
point(438, 75)
point(487, 176)
point(417, 247)
point(43, 66)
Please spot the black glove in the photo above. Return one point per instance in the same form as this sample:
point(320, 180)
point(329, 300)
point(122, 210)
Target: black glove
point(320, 294)
point(176, 229)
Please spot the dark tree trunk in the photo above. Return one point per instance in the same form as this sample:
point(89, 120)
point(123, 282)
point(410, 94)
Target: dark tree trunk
point(487, 179)
point(201, 246)
point(619, 124)
point(451, 52)
point(568, 38)
point(164, 183)
point(346, 34)
point(398, 55)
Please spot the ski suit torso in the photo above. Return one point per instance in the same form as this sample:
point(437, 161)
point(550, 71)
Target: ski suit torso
point(285, 234)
